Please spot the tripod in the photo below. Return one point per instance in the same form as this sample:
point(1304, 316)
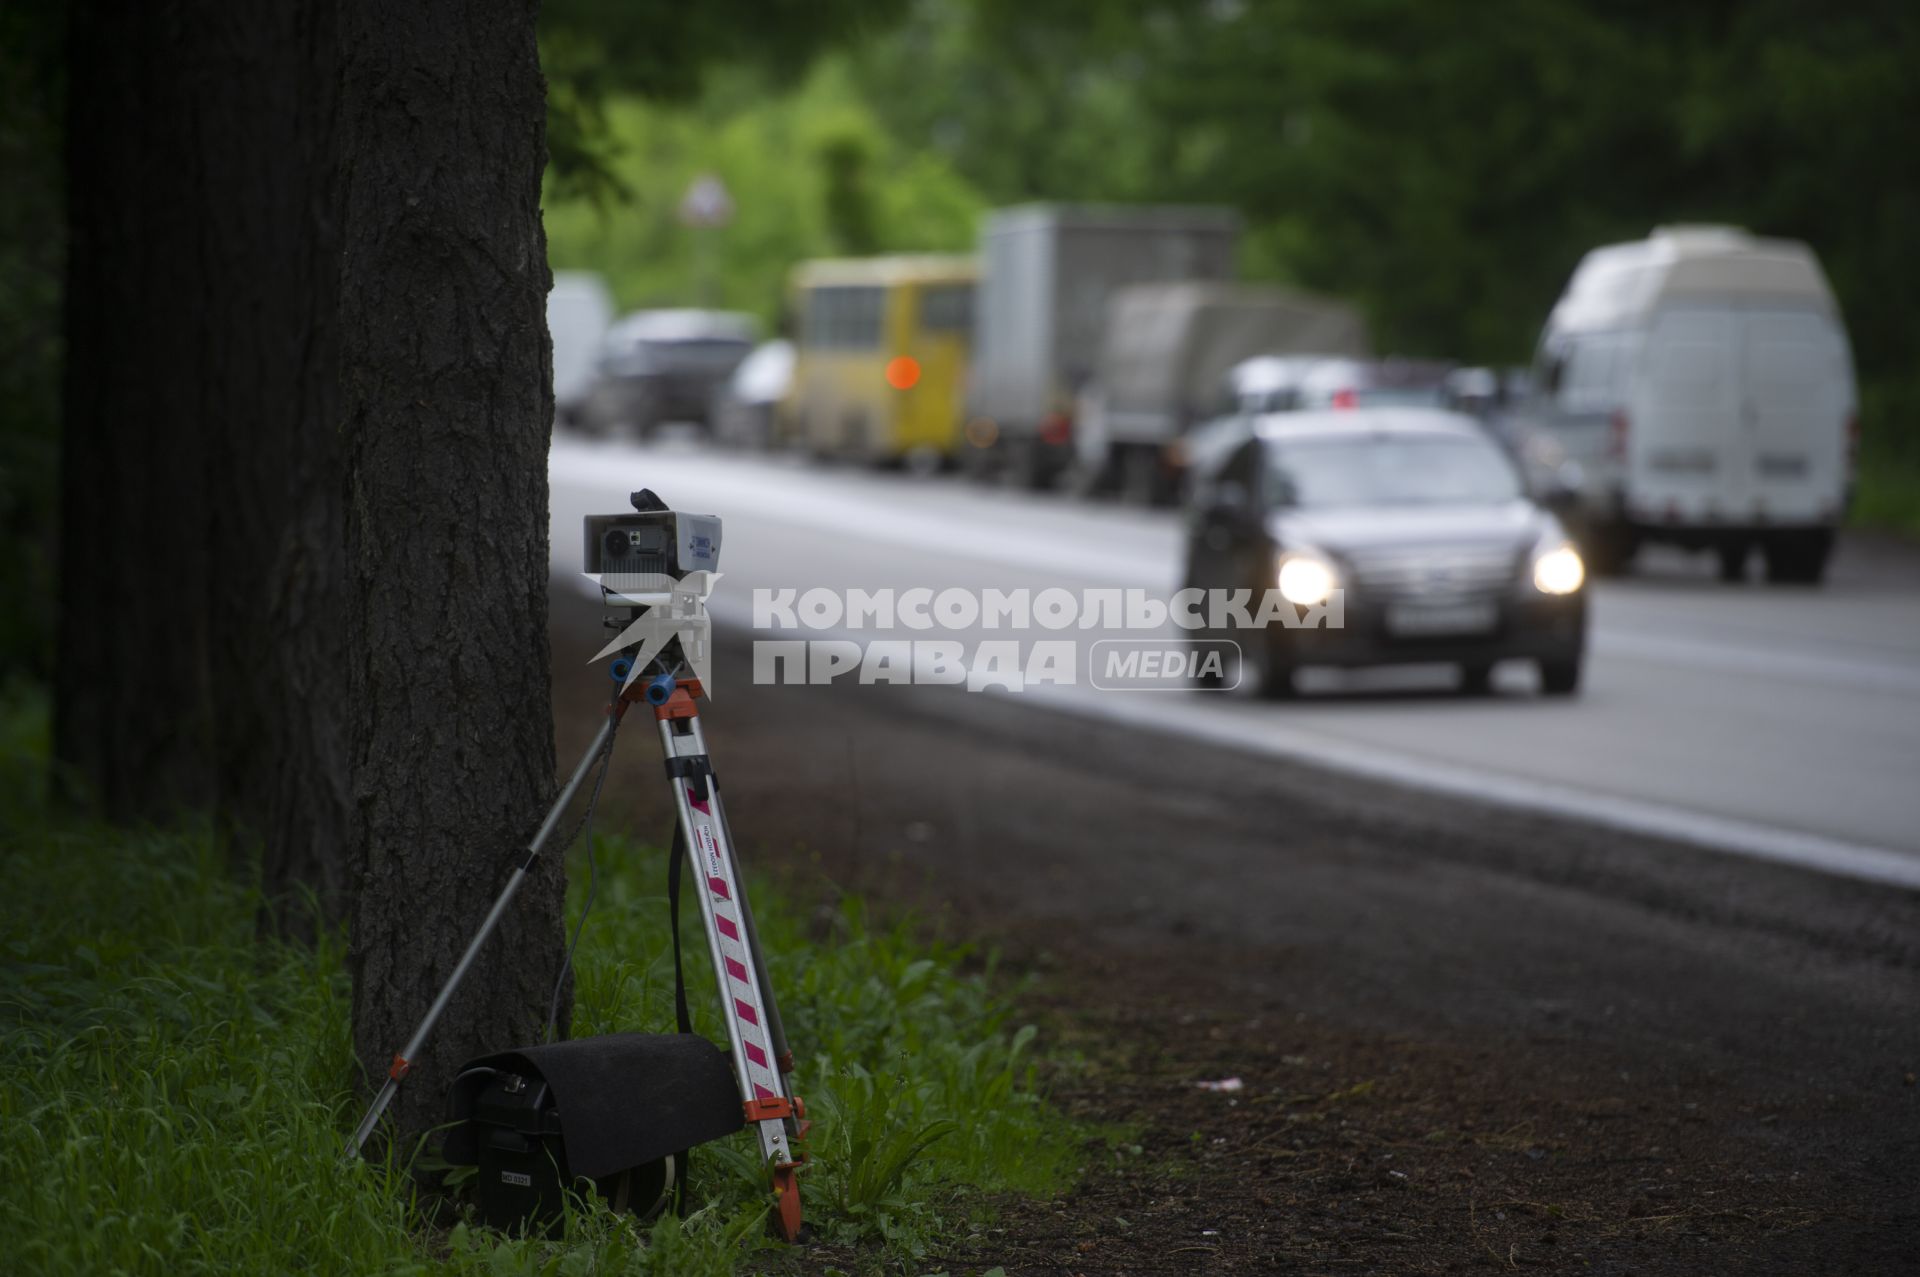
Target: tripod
point(755, 1036)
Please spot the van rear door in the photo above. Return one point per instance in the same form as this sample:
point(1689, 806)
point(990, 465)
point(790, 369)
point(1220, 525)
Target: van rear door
point(1686, 446)
point(1799, 395)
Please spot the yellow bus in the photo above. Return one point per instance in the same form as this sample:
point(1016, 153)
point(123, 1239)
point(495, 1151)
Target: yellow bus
point(880, 367)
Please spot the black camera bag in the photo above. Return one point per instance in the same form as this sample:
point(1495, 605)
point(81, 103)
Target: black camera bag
point(619, 1111)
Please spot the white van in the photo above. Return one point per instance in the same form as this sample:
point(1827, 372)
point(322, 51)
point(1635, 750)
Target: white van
point(1696, 388)
point(579, 311)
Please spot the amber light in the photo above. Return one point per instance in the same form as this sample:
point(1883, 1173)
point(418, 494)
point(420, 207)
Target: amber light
point(903, 372)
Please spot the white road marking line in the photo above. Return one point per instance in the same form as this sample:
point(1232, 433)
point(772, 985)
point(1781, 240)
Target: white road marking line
point(1260, 735)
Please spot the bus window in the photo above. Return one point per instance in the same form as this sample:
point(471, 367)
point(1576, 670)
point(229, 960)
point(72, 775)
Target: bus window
point(947, 308)
point(816, 318)
point(842, 317)
point(863, 323)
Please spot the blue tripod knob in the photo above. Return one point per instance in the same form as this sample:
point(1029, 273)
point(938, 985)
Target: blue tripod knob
point(660, 689)
point(621, 667)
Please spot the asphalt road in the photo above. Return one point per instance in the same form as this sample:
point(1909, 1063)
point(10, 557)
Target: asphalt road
point(1777, 723)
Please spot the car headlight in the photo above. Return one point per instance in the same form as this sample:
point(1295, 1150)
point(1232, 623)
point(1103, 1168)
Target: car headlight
point(1306, 581)
point(1559, 570)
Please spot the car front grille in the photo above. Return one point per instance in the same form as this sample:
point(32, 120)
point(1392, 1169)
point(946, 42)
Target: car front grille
point(1433, 571)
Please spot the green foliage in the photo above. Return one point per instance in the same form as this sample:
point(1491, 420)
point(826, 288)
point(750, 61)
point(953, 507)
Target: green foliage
point(594, 51)
point(1445, 165)
point(876, 1146)
point(1888, 495)
point(1026, 101)
point(811, 172)
point(1429, 153)
point(172, 1098)
point(917, 1080)
point(844, 157)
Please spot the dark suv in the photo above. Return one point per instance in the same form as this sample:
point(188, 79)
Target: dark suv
point(665, 365)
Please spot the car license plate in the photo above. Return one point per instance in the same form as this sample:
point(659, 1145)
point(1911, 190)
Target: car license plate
point(1425, 620)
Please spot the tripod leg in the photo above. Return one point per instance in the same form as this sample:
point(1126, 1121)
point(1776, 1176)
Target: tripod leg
point(786, 1179)
point(776, 1027)
point(736, 960)
point(411, 1052)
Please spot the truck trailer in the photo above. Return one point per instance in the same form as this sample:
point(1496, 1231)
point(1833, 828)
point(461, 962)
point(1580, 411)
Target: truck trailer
point(1164, 365)
point(1047, 274)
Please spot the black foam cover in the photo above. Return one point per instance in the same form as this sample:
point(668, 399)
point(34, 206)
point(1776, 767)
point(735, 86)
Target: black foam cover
point(623, 1099)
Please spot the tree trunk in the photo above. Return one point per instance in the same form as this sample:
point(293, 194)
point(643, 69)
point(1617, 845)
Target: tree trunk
point(447, 407)
point(277, 544)
point(304, 499)
point(201, 647)
point(133, 705)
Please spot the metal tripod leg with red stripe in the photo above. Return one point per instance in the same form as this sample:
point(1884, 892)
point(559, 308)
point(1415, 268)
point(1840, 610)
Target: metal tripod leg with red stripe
point(754, 1032)
point(404, 1058)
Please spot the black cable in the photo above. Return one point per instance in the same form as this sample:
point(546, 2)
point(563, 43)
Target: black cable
point(593, 867)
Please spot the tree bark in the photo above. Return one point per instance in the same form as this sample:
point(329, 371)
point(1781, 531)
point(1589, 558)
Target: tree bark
point(133, 706)
point(276, 541)
point(304, 521)
point(447, 407)
point(202, 659)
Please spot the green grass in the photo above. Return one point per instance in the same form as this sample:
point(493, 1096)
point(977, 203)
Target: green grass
point(172, 1089)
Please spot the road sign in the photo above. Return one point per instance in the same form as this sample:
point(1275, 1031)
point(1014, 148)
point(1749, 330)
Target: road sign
point(706, 202)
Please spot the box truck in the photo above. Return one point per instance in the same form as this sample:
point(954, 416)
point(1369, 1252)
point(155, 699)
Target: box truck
point(1164, 368)
point(1047, 272)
